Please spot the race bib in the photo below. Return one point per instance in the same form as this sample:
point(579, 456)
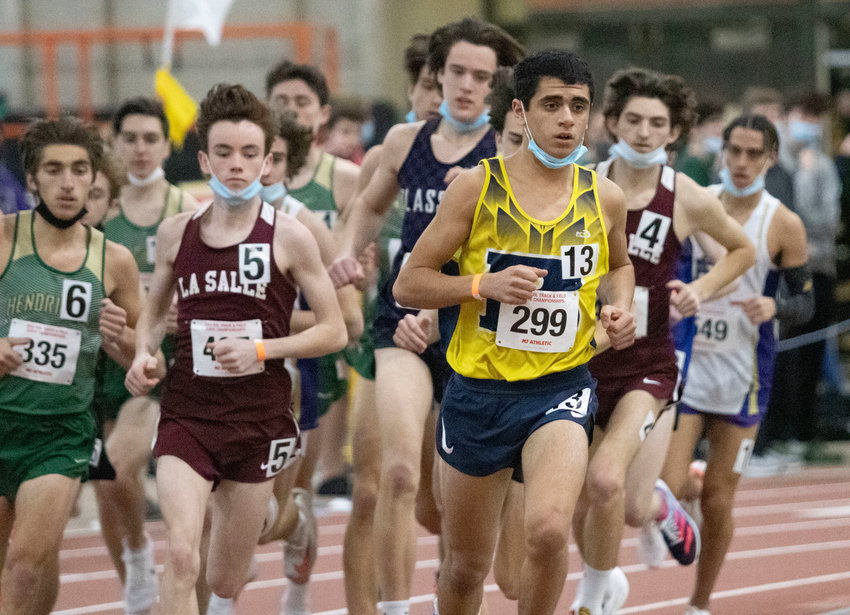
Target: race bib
point(648, 242)
point(205, 332)
point(282, 453)
point(548, 322)
point(640, 310)
point(51, 354)
point(254, 263)
point(715, 330)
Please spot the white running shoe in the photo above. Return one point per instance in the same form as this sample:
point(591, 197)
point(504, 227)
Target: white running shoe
point(617, 592)
point(140, 587)
point(220, 606)
point(651, 548)
point(692, 610)
point(299, 552)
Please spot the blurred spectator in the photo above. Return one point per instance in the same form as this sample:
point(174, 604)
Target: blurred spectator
point(344, 131)
point(700, 161)
point(790, 427)
point(13, 197)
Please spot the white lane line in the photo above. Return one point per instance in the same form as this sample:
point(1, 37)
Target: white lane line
point(741, 591)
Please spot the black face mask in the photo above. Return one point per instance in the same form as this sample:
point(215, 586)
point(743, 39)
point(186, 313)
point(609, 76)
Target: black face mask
point(52, 220)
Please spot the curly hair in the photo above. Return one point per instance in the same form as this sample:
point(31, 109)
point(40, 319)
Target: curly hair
point(501, 97)
point(475, 31)
point(669, 89)
point(65, 130)
point(233, 103)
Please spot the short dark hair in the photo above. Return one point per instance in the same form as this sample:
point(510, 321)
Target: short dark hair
point(347, 109)
point(501, 97)
point(812, 103)
point(557, 63)
point(312, 76)
point(233, 103)
point(140, 105)
point(475, 31)
point(65, 130)
point(708, 110)
point(669, 89)
point(754, 122)
point(416, 56)
point(298, 139)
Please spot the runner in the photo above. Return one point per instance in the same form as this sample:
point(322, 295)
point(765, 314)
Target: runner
point(226, 424)
point(533, 236)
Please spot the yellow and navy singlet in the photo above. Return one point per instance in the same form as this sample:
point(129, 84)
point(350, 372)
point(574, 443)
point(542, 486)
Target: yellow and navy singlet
point(553, 331)
point(59, 312)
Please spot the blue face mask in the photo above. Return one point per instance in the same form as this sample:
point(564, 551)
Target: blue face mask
point(712, 145)
point(367, 132)
point(804, 132)
point(548, 160)
point(636, 159)
point(463, 127)
point(410, 117)
point(232, 198)
point(731, 188)
point(272, 193)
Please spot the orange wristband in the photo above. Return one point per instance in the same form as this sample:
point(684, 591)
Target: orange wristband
point(261, 350)
point(476, 280)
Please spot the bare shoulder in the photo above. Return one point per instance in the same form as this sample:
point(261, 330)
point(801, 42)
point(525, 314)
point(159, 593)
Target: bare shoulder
point(118, 257)
point(609, 191)
point(345, 169)
point(787, 225)
point(290, 229)
point(7, 237)
point(611, 199)
point(469, 183)
point(169, 233)
point(398, 141)
point(690, 194)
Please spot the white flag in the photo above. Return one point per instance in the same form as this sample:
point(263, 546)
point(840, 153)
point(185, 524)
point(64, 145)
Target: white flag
point(205, 15)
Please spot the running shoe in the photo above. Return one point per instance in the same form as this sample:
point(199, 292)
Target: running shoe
point(651, 548)
point(617, 592)
point(220, 606)
point(140, 588)
point(678, 529)
point(692, 610)
point(299, 552)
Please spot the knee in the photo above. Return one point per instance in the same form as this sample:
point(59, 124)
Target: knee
point(716, 502)
point(364, 496)
point(185, 561)
point(23, 571)
point(637, 511)
point(400, 477)
point(546, 537)
point(604, 489)
point(223, 584)
point(465, 571)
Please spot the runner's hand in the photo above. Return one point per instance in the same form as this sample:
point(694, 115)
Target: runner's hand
point(684, 298)
point(142, 375)
point(236, 355)
point(619, 325)
point(513, 285)
point(113, 319)
point(412, 332)
point(346, 270)
point(10, 360)
point(758, 309)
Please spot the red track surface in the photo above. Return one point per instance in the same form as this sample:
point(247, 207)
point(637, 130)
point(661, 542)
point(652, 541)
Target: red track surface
point(790, 555)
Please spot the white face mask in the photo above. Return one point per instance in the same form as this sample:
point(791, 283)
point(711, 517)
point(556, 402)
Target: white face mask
point(635, 159)
point(141, 182)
